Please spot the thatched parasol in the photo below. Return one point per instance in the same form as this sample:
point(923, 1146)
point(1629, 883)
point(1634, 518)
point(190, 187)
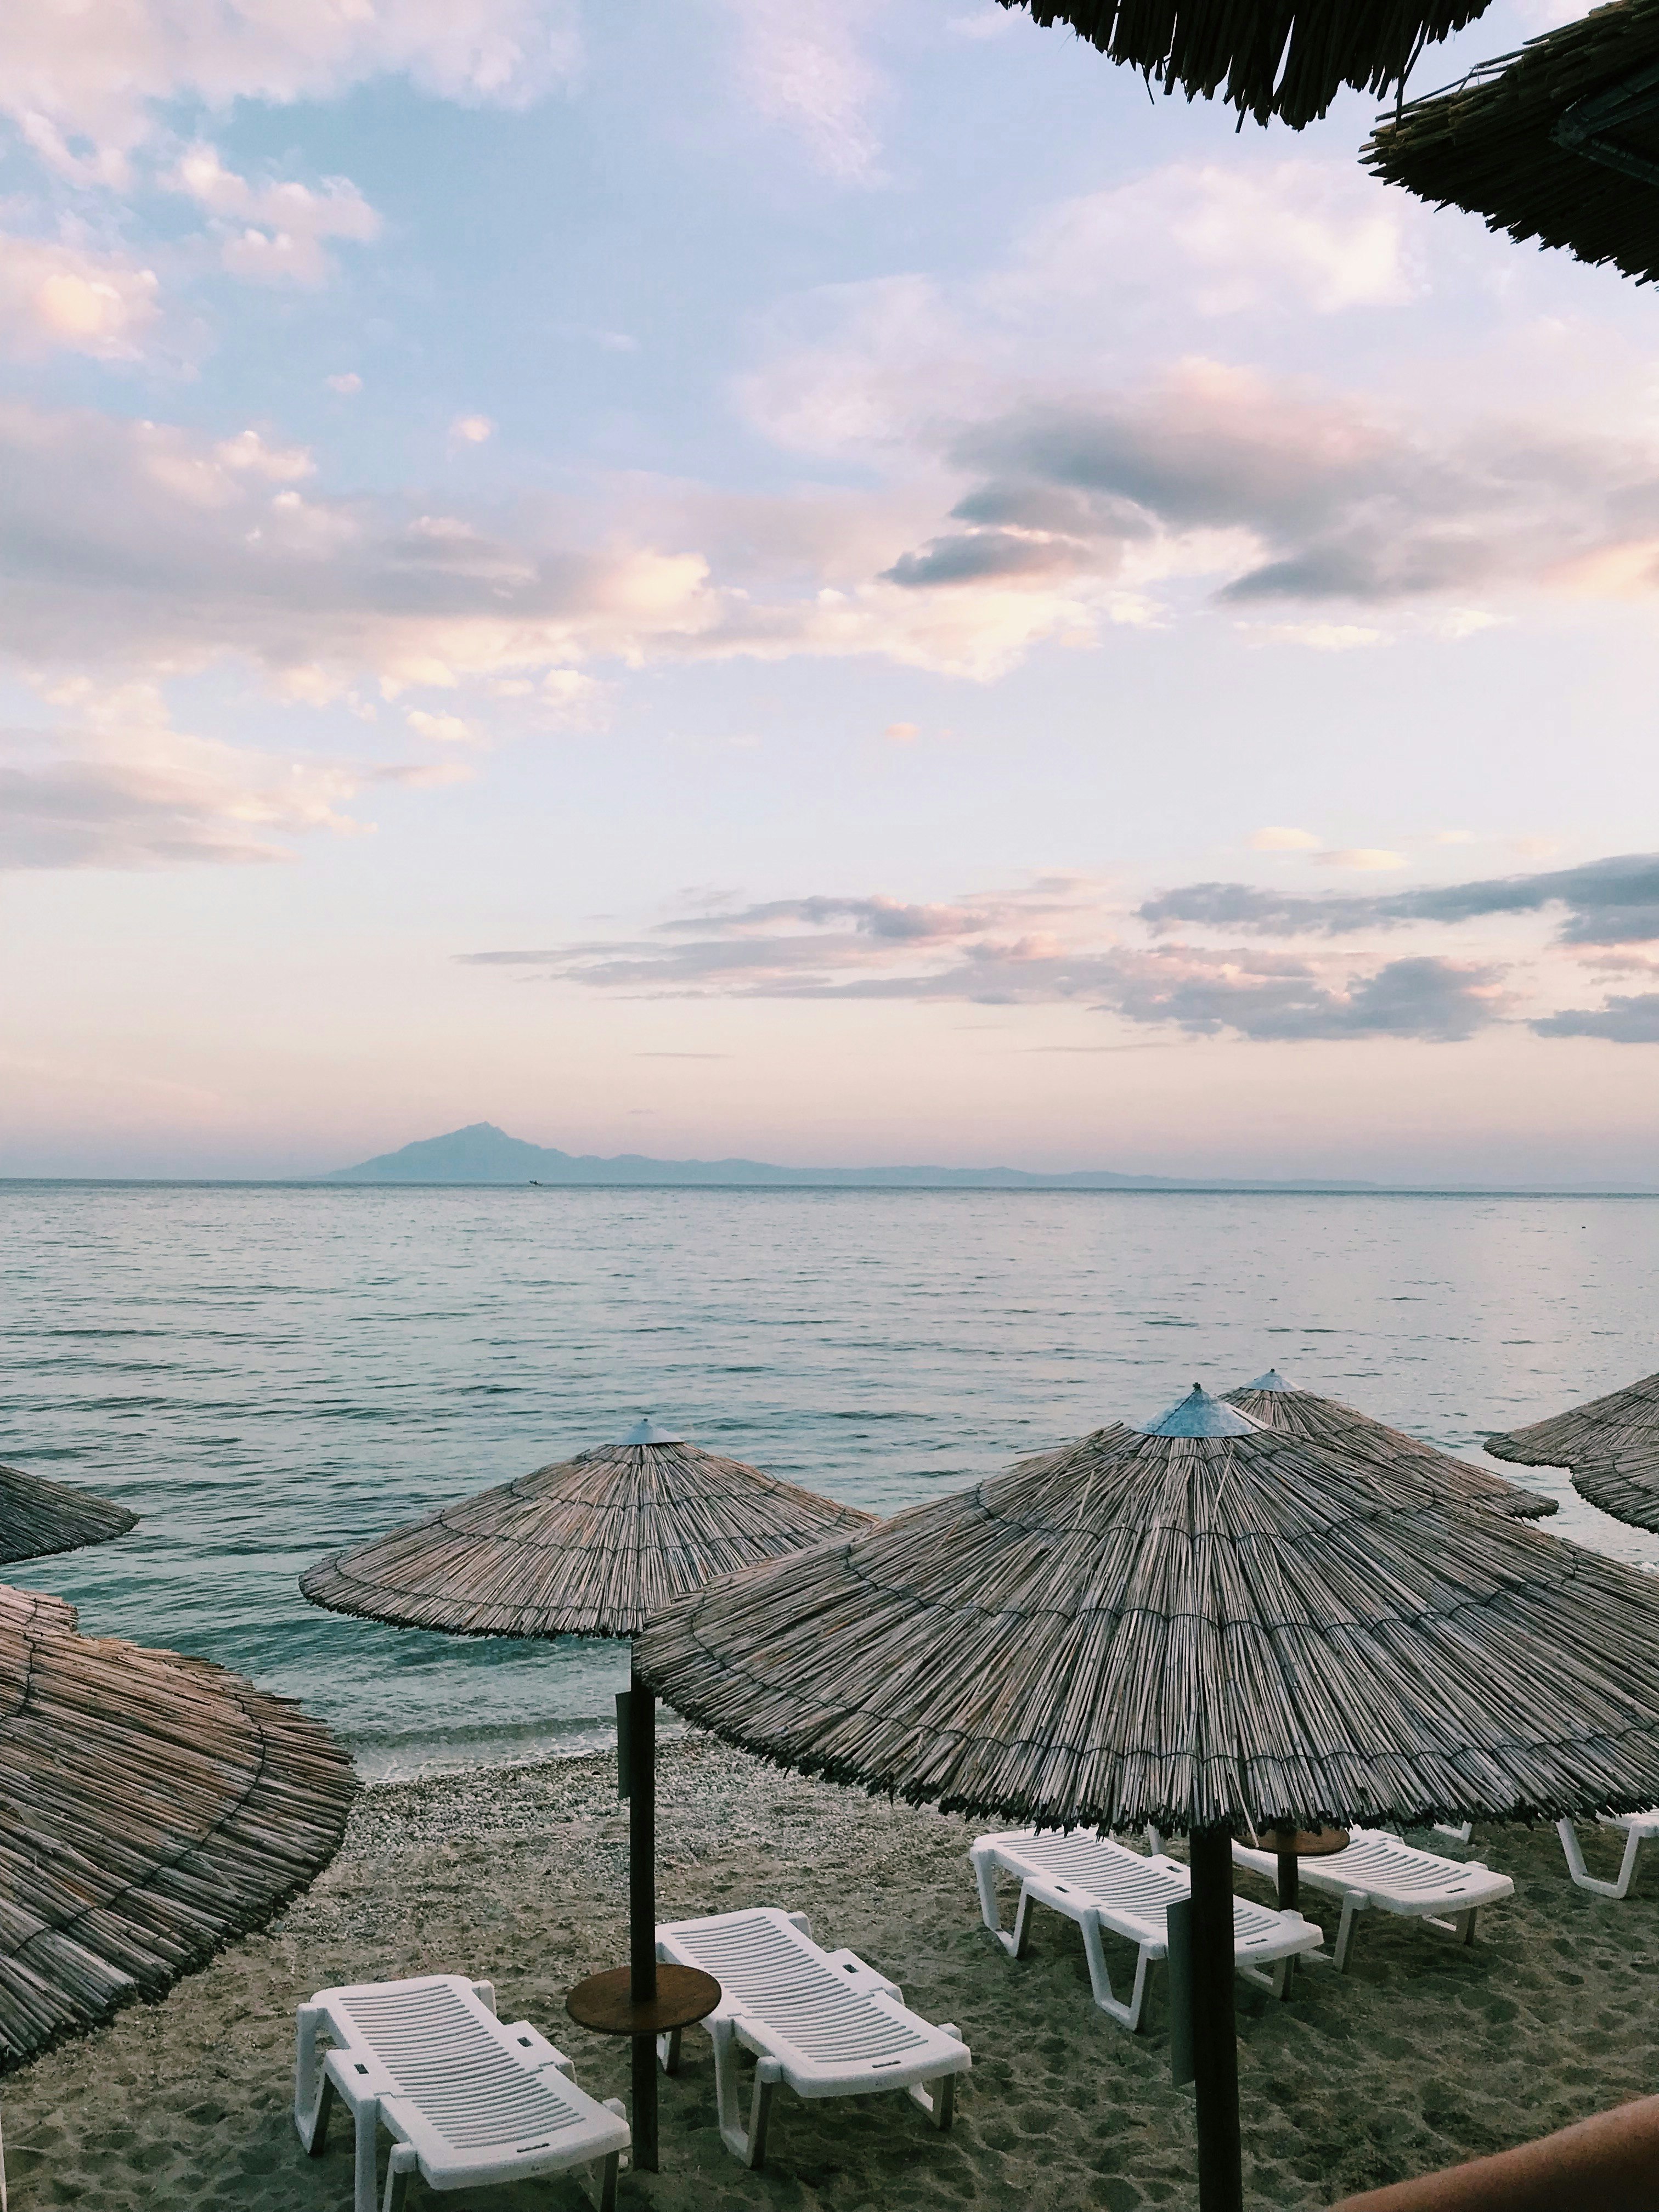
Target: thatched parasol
point(590, 1546)
point(152, 1808)
point(1611, 1445)
point(1279, 1404)
point(1198, 1625)
point(1558, 141)
point(1284, 58)
point(38, 1517)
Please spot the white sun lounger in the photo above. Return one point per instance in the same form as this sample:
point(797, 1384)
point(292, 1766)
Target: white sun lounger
point(821, 2020)
point(1640, 1828)
point(467, 2099)
point(1101, 1884)
point(1376, 1869)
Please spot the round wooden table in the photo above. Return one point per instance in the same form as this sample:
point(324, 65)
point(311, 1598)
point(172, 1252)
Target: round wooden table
point(606, 2003)
point(1304, 1844)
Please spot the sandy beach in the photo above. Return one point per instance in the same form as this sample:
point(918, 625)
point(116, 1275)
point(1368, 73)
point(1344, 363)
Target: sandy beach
point(1422, 2054)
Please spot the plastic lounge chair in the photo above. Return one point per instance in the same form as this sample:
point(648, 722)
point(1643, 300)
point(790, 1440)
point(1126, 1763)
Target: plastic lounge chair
point(1379, 1870)
point(1640, 1828)
point(1101, 1884)
point(468, 2100)
point(821, 2020)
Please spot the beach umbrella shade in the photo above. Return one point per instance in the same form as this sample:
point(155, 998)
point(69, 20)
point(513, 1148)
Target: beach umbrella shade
point(1272, 59)
point(1280, 1405)
point(1203, 1625)
point(1611, 1445)
point(38, 1517)
point(591, 1545)
point(152, 1808)
point(1558, 141)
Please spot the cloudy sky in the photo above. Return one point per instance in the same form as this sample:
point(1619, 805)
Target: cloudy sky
point(822, 579)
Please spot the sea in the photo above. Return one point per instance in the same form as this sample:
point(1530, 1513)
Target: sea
point(267, 1372)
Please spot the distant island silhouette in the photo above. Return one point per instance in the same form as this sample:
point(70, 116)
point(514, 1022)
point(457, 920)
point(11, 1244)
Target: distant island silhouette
point(482, 1153)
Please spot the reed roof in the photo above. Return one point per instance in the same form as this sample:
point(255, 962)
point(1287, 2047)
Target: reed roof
point(152, 1808)
point(1296, 1413)
point(1283, 59)
point(1189, 1630)
point(587, 1546)
point(1611, 1444)
point(38, 1517)
point(1558, 141)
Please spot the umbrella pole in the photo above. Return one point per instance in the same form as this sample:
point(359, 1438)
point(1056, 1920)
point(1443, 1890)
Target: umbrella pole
point(1215, 2047)
point(642, 1910)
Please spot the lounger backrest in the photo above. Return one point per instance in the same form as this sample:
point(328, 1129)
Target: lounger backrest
point(447, 2057)
point(1376, 1861)
point(766, 1966)
point(1122, 1878)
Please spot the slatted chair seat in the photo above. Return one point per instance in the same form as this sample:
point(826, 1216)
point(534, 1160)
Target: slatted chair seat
point(1639, 1828)
point(469, 2100)
point(1379, 1869)
point(821, 2021)
point(1103, 1885)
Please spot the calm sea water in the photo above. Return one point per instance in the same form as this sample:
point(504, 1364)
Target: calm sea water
point(265, 1373)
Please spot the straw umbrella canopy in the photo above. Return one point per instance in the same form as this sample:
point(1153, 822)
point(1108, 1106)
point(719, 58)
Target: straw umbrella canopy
point(1276, 59)
point(1558, 141)
point(152, 1808)
point(1198, 1625)
point(1279, 1404)
point(591, 1545)
point(1611, 1445)
point(38, 1517)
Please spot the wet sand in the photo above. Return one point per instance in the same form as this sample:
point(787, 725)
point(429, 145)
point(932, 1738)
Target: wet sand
point(1422, 2054)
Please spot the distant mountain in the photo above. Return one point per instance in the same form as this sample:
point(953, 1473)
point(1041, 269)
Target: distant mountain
point(483, 1154)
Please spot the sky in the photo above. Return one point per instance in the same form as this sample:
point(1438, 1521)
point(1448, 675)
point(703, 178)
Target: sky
point(834, 580)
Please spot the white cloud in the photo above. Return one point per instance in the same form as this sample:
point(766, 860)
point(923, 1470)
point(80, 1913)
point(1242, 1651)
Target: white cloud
point(84, 81)
point(59, 295)
point(442, 729)
point(1274, 839)
point(901, 734)
point(472, 429)
point(275, 233)
point(803, 63)
point(347, 385)
point(1363, 857)
point(248, 453)
point(1317, 636)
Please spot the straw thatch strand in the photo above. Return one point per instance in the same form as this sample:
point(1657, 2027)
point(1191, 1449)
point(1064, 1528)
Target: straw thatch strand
point(1283, 59)
point(38, 1517)
point(588, 1546)
point(1611, 1444)
point(151, 1808)
point(1329, 1421)
point(1493, 143)
point(1192, 1630)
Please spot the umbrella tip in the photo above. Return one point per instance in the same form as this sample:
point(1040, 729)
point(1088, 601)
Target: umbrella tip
point(645, 1432)
point(1198, 1414)
point(1273, 1380)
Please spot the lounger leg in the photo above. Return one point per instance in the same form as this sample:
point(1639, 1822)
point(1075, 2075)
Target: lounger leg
point(369, 2145)
point(668, 2051)
point(401, 2164)
point(602, 2194)
point(937, 2098)
point(1351, 1907)
point(985, 1880)
point(1582, 1874)
point(314, 2093)
point(1100, 1979)
point(747, 2145)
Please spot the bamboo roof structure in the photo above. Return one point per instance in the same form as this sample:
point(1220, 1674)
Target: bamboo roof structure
point(152, 1808)
point(1201, 1624)
point(1270, 1399)
point(588, 1546)
point(1272, 59)
point(38, 1517)
point(1558, 141)
point(1611, 1445)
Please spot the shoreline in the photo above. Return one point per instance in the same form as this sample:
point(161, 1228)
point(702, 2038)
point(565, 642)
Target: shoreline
point(1423, 2054)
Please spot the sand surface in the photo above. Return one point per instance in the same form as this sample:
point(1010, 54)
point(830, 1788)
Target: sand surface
point(1422, 2054)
